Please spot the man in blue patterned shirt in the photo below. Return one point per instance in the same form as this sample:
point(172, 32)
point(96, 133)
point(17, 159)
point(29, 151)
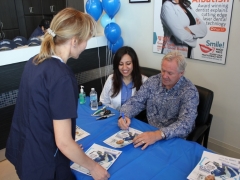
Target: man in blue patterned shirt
point(170, 100)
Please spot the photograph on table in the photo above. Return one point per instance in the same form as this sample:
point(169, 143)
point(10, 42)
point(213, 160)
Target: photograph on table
point(219, 166)
point(122, 138)
point(199, 30)
point(80, 133)
point(100, 154)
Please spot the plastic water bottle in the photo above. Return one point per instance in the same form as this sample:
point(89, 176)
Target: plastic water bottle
point(93, 99)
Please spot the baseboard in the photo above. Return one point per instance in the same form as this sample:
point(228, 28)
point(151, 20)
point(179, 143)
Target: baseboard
point(222, 148)
point(2, 154)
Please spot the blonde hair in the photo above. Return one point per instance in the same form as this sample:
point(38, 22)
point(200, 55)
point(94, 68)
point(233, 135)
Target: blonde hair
point(178, 57)
point(67, 24)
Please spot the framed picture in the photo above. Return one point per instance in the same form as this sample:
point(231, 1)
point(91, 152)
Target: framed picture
point(213, 29)
point(139, 1)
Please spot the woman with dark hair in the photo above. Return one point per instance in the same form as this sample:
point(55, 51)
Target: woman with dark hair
point(125, 80)
point(182, 27)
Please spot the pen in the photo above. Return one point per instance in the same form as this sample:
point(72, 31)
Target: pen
point(98, 112)
point(124, 119)
point(105, 116)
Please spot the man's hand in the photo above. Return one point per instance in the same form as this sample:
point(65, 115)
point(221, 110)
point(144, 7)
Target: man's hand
point(124, 124)
point(99, 173)
point(147, 138)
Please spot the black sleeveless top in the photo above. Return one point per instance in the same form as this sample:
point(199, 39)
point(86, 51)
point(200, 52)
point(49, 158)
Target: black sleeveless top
point(192, 22)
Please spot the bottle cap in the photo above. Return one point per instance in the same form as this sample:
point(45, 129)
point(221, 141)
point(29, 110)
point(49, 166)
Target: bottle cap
point(81, 90)
point(92, 89)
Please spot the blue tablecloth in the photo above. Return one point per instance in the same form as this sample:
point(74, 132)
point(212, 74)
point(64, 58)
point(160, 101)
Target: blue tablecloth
point(172, 159)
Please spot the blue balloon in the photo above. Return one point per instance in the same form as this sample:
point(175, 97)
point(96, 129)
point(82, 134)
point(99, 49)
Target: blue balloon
point(94, 8)
point(111, 7)
point(112, 32)
point(116, 46)
point(105, 20)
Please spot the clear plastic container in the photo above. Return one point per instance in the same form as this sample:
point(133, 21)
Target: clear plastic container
point(82, 96)
point(93, 99)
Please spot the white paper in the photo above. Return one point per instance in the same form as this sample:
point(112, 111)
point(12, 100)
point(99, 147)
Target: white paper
point(80, 134)
point(122, 138)
point(102, 155)
point(222, 167)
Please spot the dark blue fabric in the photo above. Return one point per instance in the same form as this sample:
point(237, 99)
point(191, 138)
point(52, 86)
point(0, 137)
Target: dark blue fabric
point(47, 91)
point(37, 32)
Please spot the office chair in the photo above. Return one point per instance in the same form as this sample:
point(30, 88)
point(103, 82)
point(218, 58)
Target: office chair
point(149, 71)
point(204, 119)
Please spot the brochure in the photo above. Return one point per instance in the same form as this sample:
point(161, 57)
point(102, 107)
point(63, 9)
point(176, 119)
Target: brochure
point(222, 167)
point(80, 134)
point(102, 155)
point(122, 138)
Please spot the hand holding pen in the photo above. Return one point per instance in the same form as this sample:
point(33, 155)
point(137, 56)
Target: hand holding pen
point(124, 122)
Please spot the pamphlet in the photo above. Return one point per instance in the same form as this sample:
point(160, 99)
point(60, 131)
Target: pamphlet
point(122, 138)
point(222, 167)
point(102, 155)
point(80, 134)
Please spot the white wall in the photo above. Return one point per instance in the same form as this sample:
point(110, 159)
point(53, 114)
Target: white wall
point(136, 22)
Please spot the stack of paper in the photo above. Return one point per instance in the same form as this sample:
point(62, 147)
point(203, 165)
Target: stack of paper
point(222, 167)
point(122, 138)
point(80, 134)
point(102, 155)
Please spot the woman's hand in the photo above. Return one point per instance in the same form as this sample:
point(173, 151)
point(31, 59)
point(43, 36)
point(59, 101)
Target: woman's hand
point(81, 146)
point(198, 21)
point(188, 30)
point(124, 123)
point(99, 173)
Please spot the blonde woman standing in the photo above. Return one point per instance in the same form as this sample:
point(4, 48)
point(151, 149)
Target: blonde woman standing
point(41, 141)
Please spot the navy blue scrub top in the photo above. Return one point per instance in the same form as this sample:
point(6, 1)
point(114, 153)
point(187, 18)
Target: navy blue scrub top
point(47, 91)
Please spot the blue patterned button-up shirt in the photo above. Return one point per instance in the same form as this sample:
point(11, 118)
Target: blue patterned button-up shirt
point(173, 111)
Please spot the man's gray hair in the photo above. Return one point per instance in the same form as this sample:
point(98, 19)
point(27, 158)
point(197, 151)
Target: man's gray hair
point(177, 56)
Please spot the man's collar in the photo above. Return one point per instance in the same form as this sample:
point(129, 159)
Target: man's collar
point(175, 87)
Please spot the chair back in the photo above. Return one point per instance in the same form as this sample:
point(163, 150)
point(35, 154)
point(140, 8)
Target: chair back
point(149, 71)
point(205, 104)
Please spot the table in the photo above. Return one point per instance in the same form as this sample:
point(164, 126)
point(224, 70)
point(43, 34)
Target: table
point(171, 159)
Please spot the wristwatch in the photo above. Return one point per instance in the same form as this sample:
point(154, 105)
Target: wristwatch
point(163, 135)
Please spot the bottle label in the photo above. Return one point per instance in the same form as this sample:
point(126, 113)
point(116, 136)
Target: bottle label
point(93, 97)
point(82, 98)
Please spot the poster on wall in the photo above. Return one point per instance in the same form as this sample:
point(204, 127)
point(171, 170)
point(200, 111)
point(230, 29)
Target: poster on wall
point(200, 31)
